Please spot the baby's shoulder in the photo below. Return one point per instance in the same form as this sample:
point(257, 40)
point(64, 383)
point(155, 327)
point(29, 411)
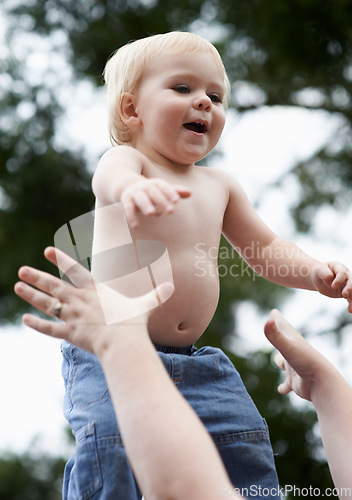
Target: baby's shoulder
point(122, 157)
point(122, 151)
point(219, 176)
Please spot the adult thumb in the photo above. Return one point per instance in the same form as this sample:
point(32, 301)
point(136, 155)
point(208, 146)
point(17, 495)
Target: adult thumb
point(165, 290)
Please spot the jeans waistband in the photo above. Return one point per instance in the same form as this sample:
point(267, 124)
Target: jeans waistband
point(187, 350)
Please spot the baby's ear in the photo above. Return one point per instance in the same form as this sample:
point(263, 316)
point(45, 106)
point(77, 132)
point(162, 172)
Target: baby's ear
point(128, 111)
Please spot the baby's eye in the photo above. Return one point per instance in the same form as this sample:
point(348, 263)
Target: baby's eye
point(215, 98)
point(181, 89)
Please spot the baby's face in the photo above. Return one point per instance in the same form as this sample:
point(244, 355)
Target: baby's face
point(180, 106)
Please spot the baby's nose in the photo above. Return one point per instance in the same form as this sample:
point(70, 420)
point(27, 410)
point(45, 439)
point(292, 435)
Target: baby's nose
point(203, 102)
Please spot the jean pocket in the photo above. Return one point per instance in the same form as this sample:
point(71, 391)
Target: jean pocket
point(88, 477)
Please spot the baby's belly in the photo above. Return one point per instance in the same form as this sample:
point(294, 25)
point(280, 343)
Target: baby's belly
point(182, 319)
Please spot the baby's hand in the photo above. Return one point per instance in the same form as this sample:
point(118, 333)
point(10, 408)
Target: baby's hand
point(334, 280)
point(151, 197)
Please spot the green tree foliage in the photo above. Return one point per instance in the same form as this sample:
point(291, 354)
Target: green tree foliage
point(298, 53)
point(27, 477)
point(42, 186)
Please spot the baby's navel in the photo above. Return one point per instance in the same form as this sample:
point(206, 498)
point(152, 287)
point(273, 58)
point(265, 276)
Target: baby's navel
point(181, 327)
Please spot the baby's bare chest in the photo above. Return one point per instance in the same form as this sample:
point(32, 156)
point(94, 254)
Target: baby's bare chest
point(206, 205)
point(197, 219)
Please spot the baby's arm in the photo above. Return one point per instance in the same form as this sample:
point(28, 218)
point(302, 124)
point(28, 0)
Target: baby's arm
point(310, 375)
point(119, 177)
point(275, 258)
point(294, 268)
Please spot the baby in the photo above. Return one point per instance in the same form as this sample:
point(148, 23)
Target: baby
point(167, 96)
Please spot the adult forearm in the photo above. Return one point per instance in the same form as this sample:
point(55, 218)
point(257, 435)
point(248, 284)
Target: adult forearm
point(332, 398)
point(168, 446)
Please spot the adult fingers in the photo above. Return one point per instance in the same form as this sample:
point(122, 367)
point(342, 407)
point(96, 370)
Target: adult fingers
point(77, 274)
point(45, 282)
point(285, 387)
point(51, 328)
point(281, 333)
point(271, 329)
point(279, 361)
point(162, 293)
point(40, 300)
point(118, 308)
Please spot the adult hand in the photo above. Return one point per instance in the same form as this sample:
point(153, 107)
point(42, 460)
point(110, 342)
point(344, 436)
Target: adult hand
point(303, 365)
point(83, 322)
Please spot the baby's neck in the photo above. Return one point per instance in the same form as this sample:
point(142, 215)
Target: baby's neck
point(162, 162)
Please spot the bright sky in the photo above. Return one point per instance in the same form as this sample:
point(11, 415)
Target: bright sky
point(258, 148)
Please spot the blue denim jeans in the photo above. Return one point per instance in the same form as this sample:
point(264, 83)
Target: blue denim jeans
point(208, 380)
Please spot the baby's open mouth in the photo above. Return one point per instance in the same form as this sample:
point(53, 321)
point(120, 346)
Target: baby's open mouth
point(200, 128)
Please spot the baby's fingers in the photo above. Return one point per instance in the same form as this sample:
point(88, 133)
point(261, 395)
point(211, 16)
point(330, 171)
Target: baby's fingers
point(130, 211)
point(183, 191)
point(326, 274)
point(143, 202)
point(347, 294)
point(175, 191)
point(347, 289)
point(340, 276)
point(134, 202)
point(171, 192)
point(160, 200)
point(168, 195)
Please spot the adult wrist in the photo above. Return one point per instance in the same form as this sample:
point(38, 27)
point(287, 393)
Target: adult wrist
point(119, 336)
point(324, 385)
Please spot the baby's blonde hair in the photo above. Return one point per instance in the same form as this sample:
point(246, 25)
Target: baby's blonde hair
point(126, 67)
